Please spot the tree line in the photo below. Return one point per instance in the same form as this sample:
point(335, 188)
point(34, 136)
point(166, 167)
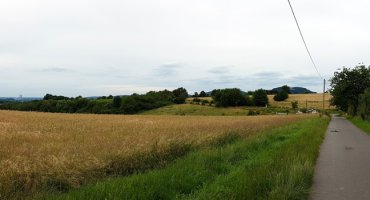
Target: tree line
point(350, 88)
point(104, 105)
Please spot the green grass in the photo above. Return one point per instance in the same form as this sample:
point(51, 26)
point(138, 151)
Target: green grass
point(276, 164)
point(362, 124)
point(206, 110)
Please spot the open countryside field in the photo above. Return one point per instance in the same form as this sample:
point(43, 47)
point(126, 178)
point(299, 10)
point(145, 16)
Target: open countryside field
point(43, 152)
point(304, 100)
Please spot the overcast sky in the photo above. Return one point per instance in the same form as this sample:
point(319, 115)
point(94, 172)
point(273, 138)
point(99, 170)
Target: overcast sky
point(76, 47)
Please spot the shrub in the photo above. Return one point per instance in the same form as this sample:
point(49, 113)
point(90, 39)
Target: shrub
point(229, 97)
point(260, 98)
point(294, 104)
point(364, 105)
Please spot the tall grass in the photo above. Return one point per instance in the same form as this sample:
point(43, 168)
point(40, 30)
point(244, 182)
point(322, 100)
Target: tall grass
point(277, 164)
point(362, 124)
point(42, 152)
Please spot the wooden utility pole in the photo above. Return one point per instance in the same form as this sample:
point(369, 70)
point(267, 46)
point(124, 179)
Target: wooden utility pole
point(323, 97)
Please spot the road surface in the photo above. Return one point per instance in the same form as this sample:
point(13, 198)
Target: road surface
point(343, 166)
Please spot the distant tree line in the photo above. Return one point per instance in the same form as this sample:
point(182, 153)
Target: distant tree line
point(235, 97)
point(201, 94)
point(104, 105)
point(350, 89)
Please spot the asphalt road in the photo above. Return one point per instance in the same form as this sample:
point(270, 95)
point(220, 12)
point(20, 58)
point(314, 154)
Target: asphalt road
point(343, 166)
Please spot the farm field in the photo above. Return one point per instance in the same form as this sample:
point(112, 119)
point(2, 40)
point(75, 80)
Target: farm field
point(313, 101)
point(276, 164)
point(45, 152)
point(206, 110)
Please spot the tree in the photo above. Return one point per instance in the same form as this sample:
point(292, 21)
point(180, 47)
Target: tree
point(196, 94)
point(260, 97)
point(203, 94)
point(229, 97)
point(282, 94)
point(294, 104)
point(117, 101)
point(364, 105)
point(180, 95)
point(347, 85)
point(286, 89)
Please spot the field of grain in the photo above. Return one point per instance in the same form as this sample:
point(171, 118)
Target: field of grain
point(42, 151)
point(304, 101)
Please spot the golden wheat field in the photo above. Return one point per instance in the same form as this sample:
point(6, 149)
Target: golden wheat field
point(48, 148)
point(310, 100)
point(304, 101)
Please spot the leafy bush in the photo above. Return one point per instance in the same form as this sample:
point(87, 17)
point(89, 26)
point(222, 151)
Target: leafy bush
point(364, 105)
point(229, 97)
point(294, 104)
point(260, 97)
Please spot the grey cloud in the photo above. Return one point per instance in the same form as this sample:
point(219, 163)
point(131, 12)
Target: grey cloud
point(219, 70)
point(53, 70)
point(167, 69)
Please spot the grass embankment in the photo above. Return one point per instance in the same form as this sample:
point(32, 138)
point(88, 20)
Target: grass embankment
point(206, 110)
point(362, 124)
point(277, 164)
point(43, 152)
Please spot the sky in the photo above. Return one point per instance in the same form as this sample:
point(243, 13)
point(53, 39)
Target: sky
point(92, 48)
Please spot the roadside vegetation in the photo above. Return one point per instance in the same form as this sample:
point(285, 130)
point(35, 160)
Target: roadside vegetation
point(351, 91)
point(275, 164)
point(103, 105)
point(45, 152)
point(362, 124)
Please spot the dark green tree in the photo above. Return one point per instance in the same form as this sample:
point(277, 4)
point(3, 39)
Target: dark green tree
point(260, 97)
point(347, 85)
point(286, 89)
point(180, 95)
point(117, 100)
point(203, 94)
point(229, 97)
point(364, 105)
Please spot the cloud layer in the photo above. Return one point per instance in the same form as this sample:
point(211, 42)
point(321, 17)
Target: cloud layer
point(79, 47)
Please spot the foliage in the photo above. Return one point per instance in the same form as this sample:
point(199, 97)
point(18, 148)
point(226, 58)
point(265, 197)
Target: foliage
point(362, 124)
point(364, 105)
point(136, 103)
point(260, 97)
point(294, 105)
point(104, 105)
point(180, 95)
point(282, 94)
point(229, 97)
point(117, 100)
point(203, 94)
point(54, 97)
point(347, 85)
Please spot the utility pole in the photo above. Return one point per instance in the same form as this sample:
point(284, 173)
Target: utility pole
point(323, 97)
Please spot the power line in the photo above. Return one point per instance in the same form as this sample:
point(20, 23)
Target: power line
point(304, 41)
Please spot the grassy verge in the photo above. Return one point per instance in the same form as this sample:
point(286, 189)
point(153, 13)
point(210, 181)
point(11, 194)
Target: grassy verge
point(278, 164)
point(364, 125)
point(206, 110)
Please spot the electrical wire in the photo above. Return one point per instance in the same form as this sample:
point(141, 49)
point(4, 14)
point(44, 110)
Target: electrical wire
point(304, 41)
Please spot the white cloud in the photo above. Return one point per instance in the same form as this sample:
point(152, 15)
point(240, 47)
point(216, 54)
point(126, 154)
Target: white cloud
point(131, 42)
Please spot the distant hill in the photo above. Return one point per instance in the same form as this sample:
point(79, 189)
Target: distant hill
point(295, 90)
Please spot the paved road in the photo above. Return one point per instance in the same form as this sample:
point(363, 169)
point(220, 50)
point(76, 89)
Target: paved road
point(343, 167)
